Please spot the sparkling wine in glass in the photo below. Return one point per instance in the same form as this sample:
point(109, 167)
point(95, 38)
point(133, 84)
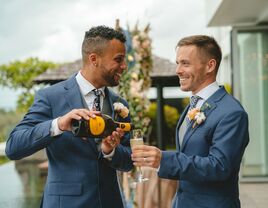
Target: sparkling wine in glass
point(137, 139)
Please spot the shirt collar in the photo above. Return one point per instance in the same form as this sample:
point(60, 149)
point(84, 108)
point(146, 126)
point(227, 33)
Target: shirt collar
point(85, 86)
point(209, 90)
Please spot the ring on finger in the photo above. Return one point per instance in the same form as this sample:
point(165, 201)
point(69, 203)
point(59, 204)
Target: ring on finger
point(144, 159)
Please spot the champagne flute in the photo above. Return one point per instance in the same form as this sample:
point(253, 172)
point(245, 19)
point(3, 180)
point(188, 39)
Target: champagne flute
point(137, 139)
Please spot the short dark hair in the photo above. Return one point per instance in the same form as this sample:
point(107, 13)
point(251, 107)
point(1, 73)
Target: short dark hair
point(96, 39)
point(206, 44)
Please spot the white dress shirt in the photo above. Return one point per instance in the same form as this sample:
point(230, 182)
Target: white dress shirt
point(206, 92)
point(86, 89)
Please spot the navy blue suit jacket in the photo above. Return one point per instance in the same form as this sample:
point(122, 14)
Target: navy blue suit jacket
point(78, 175)
point(207, 164)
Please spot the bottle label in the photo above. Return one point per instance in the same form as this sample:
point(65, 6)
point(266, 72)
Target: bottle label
point(125, 126)
point(96, 125)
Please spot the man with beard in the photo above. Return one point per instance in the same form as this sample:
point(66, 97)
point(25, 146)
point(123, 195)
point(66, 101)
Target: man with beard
point(211, 135)
point(82, 171)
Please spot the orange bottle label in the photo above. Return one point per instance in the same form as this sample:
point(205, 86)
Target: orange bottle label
point(96, 125)
point(125, 126)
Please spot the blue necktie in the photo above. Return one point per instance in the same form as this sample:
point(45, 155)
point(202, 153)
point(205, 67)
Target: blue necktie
point(193, 101)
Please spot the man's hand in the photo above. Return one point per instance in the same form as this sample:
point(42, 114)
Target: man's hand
point(110, 142)
point(144, 155)
point(64, 122)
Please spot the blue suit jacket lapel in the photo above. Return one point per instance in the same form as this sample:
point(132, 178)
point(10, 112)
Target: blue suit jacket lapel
point(178, 127)
point(112, 99)
point(207, 107)
point(73, 95)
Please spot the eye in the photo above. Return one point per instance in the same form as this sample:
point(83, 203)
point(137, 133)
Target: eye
point(119, 60)
point(185, 63)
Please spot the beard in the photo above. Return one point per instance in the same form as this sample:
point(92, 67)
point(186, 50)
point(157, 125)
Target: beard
point(111, 81)
point(111, 78)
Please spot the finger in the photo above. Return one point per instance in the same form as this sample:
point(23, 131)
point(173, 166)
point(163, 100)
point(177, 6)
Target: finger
point(80, 112)
point(116, 140)
point(140, 148)
point(115, 136)
point(76, 117)
point(120, 132)
point(93, 114)
point(110, 141)
point(147, 150)
point(86, 114)
point(138, 156)
point(151, 155)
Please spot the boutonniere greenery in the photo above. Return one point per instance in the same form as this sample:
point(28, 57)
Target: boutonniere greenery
point(121, 110)
point(197, 115)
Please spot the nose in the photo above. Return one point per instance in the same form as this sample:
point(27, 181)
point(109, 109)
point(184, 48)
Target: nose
point(178, 69)
point(123, 65)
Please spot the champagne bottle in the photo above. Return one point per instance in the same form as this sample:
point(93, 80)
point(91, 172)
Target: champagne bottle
point(99, 127)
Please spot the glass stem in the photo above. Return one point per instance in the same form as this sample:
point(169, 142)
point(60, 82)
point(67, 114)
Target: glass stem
point(139, 170)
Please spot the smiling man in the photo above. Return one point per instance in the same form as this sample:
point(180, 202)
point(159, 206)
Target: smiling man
point(211, 135)
point(82, 171)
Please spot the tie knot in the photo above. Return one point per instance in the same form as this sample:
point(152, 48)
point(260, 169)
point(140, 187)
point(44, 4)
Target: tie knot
point(97, 92)
point(193, 101)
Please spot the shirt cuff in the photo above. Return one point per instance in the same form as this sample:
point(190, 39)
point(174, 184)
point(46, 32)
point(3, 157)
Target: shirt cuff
point(54, 129)
point(109, 156)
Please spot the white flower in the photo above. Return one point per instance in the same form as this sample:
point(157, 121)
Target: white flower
point(146, 43)
point(121, 109)
point(136, 88)
point(200, 117)
point(197, 115)
point(134, 76)
point(130, 58)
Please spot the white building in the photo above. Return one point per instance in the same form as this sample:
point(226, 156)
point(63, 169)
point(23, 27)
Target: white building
point(241, 28)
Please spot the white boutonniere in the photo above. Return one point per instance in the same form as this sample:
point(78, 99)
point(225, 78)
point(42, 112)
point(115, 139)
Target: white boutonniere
point(197, 115)
point(121, 109)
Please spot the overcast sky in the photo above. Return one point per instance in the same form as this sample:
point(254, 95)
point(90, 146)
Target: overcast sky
point(53, 29)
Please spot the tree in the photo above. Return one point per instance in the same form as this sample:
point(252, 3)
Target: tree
point(20, 75)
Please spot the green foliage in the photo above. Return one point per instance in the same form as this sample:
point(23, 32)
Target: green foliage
point(171, 116)
point(184, 102)
point(136, 81)
point(228, 88)
point(8, 120)
point(20, 75)
point(25, 100)
point(3, 160)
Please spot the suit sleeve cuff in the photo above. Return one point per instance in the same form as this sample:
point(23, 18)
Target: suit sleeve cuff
point(109, 156)
point(54, 129)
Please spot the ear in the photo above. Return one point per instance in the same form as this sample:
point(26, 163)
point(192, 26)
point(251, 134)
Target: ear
point(93, 59)
point(211, 65)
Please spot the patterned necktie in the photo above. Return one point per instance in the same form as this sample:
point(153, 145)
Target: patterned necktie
point(96, 103)
point(193, 101)
point(96, 106)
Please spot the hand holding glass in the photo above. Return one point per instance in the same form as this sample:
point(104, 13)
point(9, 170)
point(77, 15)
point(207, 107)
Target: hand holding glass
point(137, 139)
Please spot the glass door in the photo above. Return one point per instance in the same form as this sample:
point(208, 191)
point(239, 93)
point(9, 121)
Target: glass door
point(250, 84)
